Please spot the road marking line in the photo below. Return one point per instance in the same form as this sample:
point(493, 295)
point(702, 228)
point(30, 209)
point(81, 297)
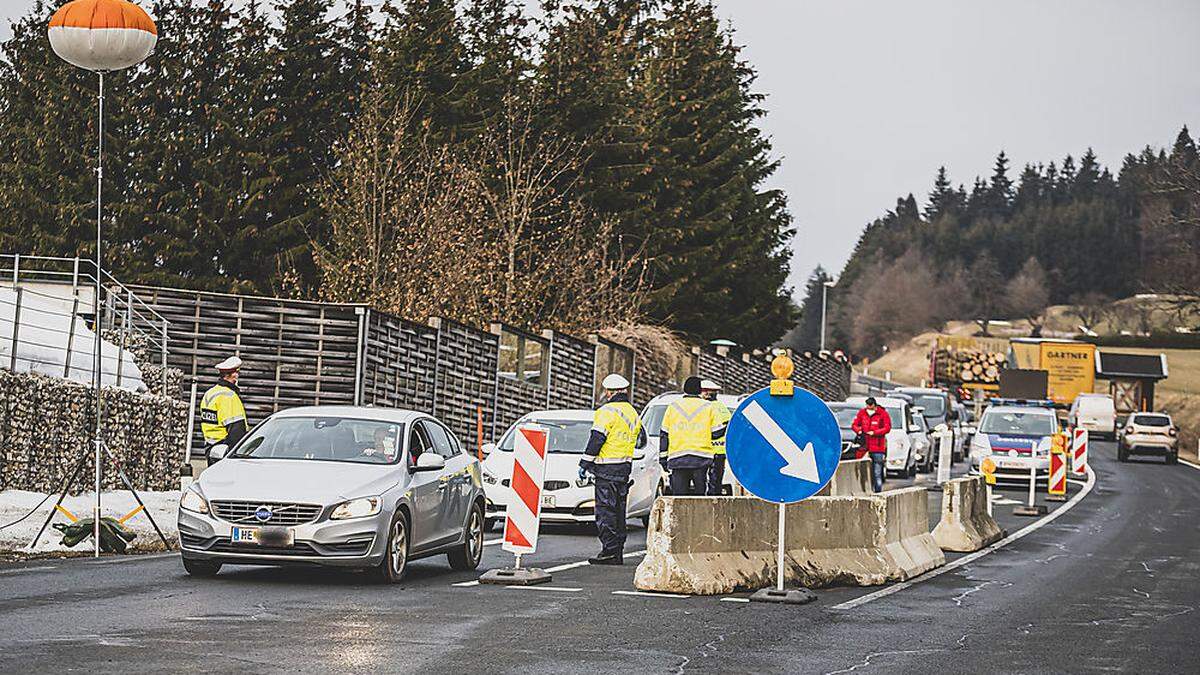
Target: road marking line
point(967, 559)
point(557, 568)
point(26, 569)
point(646, 594)
point(493, 542)
point(1194, 466)
point(563, 589)
point(131, 557)
point(735, 599)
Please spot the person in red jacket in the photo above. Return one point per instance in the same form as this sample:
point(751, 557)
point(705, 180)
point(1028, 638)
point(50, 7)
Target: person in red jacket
point(873, 423)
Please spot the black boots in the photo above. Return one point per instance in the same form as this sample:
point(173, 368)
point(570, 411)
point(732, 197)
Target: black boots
point(608, 559)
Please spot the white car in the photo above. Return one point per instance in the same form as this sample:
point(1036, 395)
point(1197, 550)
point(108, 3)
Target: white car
point(901, 459)
point(565, 498)
point(652, 419)
point(1094, 412)
point(1017, 438)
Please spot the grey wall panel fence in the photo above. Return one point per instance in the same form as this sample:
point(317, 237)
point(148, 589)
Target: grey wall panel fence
point(306, 353)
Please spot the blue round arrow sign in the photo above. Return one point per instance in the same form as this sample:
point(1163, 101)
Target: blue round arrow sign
point(783, 448)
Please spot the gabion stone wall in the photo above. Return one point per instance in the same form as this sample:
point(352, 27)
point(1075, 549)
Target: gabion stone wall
point(46, 425)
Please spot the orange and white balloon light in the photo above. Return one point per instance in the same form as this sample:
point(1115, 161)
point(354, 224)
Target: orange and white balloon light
point(102, 35)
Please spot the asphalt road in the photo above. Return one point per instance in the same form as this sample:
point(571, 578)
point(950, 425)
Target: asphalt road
point(1109, 585)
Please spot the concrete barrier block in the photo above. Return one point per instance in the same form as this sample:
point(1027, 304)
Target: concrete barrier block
point(852, 477)
point(965, 525)
point(714, 545)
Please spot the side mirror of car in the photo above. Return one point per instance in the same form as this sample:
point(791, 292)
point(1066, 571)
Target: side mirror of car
point(216, 453)
point(488, 448)
point(430, 461)
point(912, 428)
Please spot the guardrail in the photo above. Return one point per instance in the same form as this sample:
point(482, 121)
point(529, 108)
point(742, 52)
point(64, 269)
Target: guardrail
point(51, 298)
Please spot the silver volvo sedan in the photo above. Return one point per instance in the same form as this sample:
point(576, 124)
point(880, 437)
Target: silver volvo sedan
point(339, 486)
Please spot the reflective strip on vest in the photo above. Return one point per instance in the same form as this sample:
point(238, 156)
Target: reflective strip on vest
point(721, 418)
point(689, 425)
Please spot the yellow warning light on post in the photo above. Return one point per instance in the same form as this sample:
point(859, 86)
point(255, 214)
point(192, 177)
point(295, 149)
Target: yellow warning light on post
point(988, 468)
point(1058, 444)
point(782, 368)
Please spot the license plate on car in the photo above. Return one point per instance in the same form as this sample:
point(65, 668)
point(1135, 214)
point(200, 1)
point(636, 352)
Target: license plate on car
point(263, 536)
point(1010, 464)
point(548, 501)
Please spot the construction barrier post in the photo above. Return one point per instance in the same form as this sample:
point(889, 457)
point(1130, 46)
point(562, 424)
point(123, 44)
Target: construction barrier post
point(1033, 508)
point(1079, 451)
point(988, 468)
point(1056, 487)
point(523, 515)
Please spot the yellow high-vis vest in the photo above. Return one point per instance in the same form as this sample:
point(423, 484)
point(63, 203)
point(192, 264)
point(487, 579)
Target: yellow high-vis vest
point(721, 415)
point(220, 407)
point(689, 424)
point(620, 425)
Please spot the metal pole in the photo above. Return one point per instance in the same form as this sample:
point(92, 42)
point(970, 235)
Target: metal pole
point(824, 292)
point(97, 380)
point(989, 496)
point(779, 580)
point(164, 360)
point(1032, 479)
point(16, 328)
point(191, 428)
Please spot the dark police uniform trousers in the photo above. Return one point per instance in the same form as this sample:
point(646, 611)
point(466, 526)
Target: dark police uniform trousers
point(612, 498)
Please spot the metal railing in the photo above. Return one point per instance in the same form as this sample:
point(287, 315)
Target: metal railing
point(124, 318)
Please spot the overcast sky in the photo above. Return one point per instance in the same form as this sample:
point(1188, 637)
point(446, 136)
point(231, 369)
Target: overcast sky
point(868, 98)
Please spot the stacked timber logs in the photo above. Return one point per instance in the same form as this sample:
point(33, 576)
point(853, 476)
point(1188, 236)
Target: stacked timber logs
point(970, 365)
point(46, 425)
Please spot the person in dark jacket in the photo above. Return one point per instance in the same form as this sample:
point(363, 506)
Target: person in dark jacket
point(873, 423)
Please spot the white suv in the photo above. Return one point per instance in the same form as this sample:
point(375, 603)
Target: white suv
point(1094, 412)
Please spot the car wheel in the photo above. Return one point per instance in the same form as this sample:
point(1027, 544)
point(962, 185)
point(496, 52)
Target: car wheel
point(394, 565)
point(201, 568)
point(467, 556)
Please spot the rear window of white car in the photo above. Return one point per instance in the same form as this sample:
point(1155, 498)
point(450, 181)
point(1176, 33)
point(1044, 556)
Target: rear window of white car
point(1152, 420)
point(565, 436)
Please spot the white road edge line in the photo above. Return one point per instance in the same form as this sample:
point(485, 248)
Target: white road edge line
point(967, 559)
point(1194, 466)
point(557, 568)
point(735, 599)
point(647, 594)
point(493, 542)
point(563, 589)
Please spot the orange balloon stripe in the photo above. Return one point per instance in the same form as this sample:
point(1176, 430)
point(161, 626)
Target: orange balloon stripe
point(99, 14)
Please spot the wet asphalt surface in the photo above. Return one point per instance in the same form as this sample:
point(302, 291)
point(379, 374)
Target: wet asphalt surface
point(1113, 584)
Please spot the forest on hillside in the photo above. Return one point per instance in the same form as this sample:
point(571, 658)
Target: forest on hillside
point(594, 165)
point(1063, 232)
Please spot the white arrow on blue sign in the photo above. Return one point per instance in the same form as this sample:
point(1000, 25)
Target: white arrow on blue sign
point(783, 448)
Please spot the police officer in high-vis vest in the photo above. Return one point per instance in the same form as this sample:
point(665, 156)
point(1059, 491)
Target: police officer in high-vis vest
point(609, 457)
point(689, 427)
point(222, 415)
point(716, 475)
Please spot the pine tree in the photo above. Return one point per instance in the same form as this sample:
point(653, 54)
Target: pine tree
point(717, 238)
point(942, 199)
point(500, 50)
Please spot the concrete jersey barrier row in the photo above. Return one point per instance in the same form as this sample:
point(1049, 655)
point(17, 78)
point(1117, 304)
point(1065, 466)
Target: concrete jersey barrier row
point(714, 545)
point(965, 525)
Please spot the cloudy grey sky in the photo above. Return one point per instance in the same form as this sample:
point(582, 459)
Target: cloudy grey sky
point(868, 97)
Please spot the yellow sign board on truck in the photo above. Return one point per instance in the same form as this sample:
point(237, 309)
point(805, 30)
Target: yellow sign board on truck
point(1071, 367)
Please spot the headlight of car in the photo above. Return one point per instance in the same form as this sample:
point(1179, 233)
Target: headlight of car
point(356, 508)
point(192, 501)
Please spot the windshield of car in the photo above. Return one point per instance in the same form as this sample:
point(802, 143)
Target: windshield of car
point(565, 436)
point(1152, 420)
point(335, 439)
point(653, 419)
point(845, 416)
point(935, 406)
point(1019, 423)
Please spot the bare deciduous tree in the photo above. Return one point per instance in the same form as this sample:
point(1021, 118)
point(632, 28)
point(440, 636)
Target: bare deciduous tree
point(1027, 295)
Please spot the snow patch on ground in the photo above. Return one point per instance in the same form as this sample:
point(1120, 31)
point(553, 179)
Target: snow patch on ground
point(164, 506)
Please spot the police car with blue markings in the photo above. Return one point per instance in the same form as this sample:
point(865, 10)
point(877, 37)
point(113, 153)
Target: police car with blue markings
point(1016, 434)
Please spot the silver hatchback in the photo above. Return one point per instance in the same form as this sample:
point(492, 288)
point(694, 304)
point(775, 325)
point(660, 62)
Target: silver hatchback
point(338, 486)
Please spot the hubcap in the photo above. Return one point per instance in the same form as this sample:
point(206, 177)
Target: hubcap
point(399, 547)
